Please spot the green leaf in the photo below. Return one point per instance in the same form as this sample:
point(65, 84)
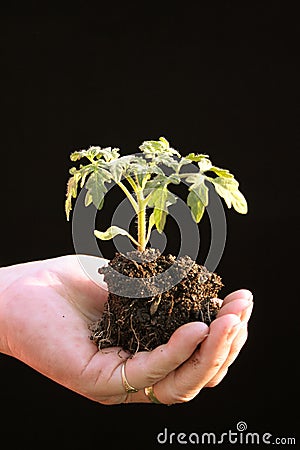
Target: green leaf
point(196, 206)
point(201, 190)
point(194, 178)
point(160, 199)
point(239, 202)
point(85, 171)
point(118, 167)
point(164, 141)
point(227, 183)
point(161, 180)
point(197, 181)
point(138, 165)
point(197, 199)
point(195, 158)
point(88, 199)
point(96, 186)
point(72, 186)
point(227, 188)
point(223, 191)
point(96, 152)
point(204, 165)
point(160, 217)
point(108, 153)
point(174, 179)
point(111, 232)
point(221, 172)
point(157, 147)
point(183, 162)
point(151, 222)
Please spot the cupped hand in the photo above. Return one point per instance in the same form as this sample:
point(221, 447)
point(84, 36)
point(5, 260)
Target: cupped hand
point(46, 307)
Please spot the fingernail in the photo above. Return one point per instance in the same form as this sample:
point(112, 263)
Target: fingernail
point(250, 298)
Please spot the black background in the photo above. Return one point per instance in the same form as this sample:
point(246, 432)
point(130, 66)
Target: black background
point(214, 79)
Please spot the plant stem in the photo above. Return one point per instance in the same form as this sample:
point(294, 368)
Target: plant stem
point(141, 217)
point(129, 196)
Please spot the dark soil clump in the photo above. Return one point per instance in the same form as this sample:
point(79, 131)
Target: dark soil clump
point(150, 296)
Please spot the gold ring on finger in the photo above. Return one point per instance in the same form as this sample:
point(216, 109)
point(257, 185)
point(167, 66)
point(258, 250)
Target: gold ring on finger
point(127, 386)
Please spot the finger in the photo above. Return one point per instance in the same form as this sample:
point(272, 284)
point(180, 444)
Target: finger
point(185, 383)
point(236, 306)
point(240, 293)
point(147, 368)
point(237, 344)
point(236, 347)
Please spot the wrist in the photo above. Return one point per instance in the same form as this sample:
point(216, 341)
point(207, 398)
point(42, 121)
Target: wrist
point(8, 276)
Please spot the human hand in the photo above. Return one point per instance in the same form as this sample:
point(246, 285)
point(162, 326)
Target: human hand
point(45, 311)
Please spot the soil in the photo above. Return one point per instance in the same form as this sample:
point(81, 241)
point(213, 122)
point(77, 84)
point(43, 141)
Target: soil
point(150, 296)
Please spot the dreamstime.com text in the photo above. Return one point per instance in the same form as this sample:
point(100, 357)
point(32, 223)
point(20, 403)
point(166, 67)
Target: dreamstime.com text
point(238, 436)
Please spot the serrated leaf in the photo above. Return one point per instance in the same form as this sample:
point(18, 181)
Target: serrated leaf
point(228, 183)
point(239, 202)
point(223, 192)
point(174, 179)
point(164, 140)
point(196, 158)
point(158, 147)
point(68, 207)
point(195, 178)
point(183, 162)
point(161, 180)
point(151, 221)
point(221, 172)
point(204, 165)
point(160, 199)
point(160, 217)
point(118, 167)
point(196, 206)
point(89, 154)
point(201, 190)
point(72, 187)
point(227, 188)
point(96, 187)
point(107, 153)
point(138, 165)
point(111, 232)
point(88, 199)
point(197, 199)
point(167, 160)
point(85, 171)
point(96, 152)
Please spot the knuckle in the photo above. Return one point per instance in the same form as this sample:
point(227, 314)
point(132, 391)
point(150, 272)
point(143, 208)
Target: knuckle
point(180, 393)
point(217, 362)
point(183, 398)
point(155, 376)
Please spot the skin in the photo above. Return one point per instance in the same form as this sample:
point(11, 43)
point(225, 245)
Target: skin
point(45, 309)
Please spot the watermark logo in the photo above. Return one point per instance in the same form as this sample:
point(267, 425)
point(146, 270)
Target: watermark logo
point(240, 435)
